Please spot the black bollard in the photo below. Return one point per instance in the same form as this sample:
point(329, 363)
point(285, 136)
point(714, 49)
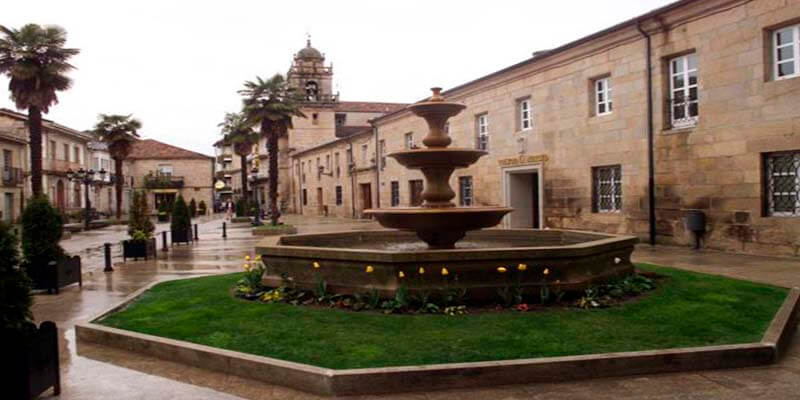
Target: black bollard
point(164, 241)
point(224, 231)
point(195, 232)
point(107, 250)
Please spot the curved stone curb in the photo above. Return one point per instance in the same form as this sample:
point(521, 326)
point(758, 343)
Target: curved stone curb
point(325, 381)
point(286, 230)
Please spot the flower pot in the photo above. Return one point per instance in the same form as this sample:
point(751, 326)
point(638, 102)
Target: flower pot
point(57, 274)
point(182, 236)
point(138, 249)
point(33, 356)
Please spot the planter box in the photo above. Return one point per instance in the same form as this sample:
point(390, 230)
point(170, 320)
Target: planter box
point(132, 249)
point(181, 236)
point(57, 274)
point(34, 358)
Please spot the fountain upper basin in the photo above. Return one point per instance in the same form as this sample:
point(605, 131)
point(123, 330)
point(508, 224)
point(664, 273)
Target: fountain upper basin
point(433, 157)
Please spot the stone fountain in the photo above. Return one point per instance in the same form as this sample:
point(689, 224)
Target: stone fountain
point(451, 237)
point(438, 222)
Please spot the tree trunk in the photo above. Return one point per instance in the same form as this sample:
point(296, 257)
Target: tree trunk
point(272, 152)
point(35, 133)
point(118, 182)
point(243, 161)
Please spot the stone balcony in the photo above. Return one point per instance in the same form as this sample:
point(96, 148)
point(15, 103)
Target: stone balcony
point(163, 182)
point(59, 166)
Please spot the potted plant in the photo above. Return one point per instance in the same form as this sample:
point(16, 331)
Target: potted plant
point(45, 262)
point(32, 351)
point(181, 224)
point(142, 244)
point(163, 212)
point(201, 208)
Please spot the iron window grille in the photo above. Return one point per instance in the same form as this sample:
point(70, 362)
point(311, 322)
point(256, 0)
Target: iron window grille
point(607, 189)
point(338, 195)
point(683, 102)
point(465, 190)
point(783, 184)
point(395, 193)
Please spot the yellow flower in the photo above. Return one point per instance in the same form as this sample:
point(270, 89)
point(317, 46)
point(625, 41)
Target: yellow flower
point(315, 264)
point(401, 275)
point(370, 269)
point(546, 271)
point(247, 258)
point(502, 270)
point(445, 272)
point(522, 267)
point(246, 267)
point(421, 270)
point(258, 257)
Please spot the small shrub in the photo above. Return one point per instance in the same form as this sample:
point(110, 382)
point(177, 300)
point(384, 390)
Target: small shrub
point(192, 208)
point(15, 287)
point(243, 208)
point(42, 228)
point(181, 222)
point(139, 224)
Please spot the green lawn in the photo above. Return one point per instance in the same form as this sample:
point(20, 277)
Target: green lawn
point(688, 309)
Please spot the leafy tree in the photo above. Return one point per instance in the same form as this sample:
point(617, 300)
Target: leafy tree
point(119, 132)
point(35, 60)
point(192, 208)
point(237, 133)
point(42, 228)
point(139, 216)
point(181, 222)
point(15, 287)
point(271, 105)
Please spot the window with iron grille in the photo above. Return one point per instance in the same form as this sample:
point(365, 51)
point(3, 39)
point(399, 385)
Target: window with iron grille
point(683, 107)
point(782, 184)
point(395, 193)
point(482, 131)
point(338, 195)
point(786, 52)
point(465, 190)
point(607, 189)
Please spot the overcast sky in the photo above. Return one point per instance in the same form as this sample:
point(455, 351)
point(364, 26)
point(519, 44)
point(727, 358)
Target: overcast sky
point(176, 65)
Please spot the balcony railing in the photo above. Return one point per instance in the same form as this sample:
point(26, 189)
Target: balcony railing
point(51, 165)
point(683, 112)
point(163, 181)
point(12, 177)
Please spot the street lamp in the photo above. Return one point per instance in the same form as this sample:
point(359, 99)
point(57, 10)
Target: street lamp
point(86, 178)
point(252, 178)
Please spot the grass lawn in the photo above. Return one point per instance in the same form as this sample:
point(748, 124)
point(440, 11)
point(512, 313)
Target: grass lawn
point(688, 309)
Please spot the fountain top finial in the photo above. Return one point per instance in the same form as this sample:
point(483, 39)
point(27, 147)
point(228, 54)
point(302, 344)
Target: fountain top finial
point(437, 94)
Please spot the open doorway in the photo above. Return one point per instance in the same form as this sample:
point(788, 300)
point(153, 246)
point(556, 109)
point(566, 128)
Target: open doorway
point(523, 193)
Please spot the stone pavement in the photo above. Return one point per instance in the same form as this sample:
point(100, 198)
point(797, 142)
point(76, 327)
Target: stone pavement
point(95, 372)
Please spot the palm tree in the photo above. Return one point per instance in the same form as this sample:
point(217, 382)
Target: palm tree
point(237, 133)
point(271, 104)
point(35, 60)
point(118, 132)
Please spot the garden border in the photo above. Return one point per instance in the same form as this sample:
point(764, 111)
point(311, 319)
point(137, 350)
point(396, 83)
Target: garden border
point(331, 382)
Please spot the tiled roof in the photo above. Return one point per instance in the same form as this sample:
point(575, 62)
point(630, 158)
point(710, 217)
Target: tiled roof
point(153, 149)
point(349, 130)
point(368, 106)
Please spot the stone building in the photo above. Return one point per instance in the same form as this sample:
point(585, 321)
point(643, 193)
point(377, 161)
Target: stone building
point(692, 106)
point(164, 171)
point(14, 148)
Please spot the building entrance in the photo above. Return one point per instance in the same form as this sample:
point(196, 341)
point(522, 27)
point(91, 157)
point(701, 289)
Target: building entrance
point(523, 192)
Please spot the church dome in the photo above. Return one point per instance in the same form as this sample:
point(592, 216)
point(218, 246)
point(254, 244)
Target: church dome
point(309, 52)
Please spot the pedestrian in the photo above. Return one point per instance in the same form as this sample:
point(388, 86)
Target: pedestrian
point(228, 209)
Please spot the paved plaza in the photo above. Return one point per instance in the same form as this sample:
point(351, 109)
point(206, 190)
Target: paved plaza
point(94, 372)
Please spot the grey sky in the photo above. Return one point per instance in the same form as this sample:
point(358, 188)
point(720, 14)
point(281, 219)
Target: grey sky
point(176, 65)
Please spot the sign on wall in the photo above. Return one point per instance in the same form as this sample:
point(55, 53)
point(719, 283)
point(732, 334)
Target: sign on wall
point(523, 160)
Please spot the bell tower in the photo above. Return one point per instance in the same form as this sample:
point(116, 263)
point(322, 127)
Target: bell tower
point(309, 75)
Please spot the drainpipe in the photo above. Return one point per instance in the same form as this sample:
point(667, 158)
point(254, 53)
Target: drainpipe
point(352, 178)
point(651, 189)
point(377, 166)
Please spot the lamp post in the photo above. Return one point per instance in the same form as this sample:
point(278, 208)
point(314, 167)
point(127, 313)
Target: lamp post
point(252, 178)
point(86, 178)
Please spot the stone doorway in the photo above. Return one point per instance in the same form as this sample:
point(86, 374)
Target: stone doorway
point(366, 197)
point(523, 192)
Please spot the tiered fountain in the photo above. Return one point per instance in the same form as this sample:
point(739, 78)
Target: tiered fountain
point(454, 236)
point(439, 223)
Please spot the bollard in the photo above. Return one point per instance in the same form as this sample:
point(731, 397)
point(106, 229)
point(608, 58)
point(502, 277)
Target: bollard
point(195, 232)
point(107, 250)
point(224, 231)
point(164, 241)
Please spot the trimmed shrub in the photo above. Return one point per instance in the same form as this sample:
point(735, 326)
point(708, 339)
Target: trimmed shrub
point(42, 228)
point(242, 208)
point(181, 221)
point(15, 287)
point(192, 208)
point(139, 223)
point(201, 207)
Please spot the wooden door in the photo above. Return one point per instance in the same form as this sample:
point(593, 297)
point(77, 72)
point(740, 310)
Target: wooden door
point(60, 195)
point(366, 196)
point(320, 206)
point(415, 188)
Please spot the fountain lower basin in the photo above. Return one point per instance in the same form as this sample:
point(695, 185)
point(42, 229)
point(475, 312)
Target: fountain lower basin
point(574, 259)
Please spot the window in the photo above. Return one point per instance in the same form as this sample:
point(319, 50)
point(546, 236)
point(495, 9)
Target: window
point(415, 188)
point(341, 119)
point(607, 189)
point(312, 91)
point(77, 153)
point(327, 162)
point(365, 153)
point(786, 52)
point(602, 97)
point(395, 193)
point(52, 149)
point(338, 168)
point(338, 195)
point(409, 140)
point(683, 91)
point(783, 184)
point(8, 158)
point(349, 157)
point(382, 150)
point(482, 128)
point(319, 171)
point(465, 190)
point(66, 152)
point(165, 169)
point(524, 114)
point(305, 197)
point(314, 118)
point(303, 172)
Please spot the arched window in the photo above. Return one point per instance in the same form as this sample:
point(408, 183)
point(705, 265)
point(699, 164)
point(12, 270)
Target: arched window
point(312, 91)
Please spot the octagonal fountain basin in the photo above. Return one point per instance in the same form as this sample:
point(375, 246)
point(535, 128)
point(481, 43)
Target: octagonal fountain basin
point(574, 260)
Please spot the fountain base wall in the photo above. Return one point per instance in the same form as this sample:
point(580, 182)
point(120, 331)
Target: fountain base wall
point(575, 259)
